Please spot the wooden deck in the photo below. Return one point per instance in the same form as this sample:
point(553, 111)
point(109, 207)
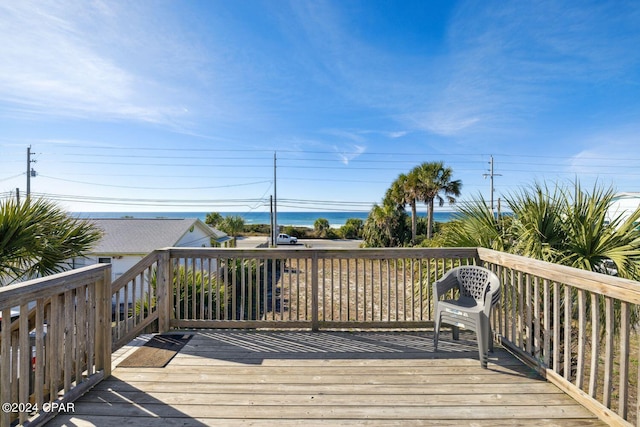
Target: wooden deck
point(291, 378)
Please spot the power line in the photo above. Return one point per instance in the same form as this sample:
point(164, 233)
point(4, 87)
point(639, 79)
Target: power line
point(156, 188)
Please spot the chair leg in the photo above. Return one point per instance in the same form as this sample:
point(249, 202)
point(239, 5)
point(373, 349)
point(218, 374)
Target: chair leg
point(490, 338)
point(482, 335)
point(436, 332)
point(455, 333)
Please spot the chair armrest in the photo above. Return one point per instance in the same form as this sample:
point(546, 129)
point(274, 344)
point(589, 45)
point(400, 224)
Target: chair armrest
point(447, 282)
point(493, 295)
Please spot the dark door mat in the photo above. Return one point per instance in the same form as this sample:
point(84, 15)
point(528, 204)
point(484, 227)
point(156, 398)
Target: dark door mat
point(157, 352)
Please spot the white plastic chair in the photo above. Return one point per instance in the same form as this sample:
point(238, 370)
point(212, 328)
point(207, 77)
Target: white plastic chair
point(479, 291)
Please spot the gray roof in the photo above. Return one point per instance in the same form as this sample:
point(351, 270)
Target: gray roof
point(142, 236)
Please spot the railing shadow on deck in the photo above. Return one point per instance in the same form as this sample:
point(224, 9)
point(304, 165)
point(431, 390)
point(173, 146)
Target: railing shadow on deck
point(117, 402)
point(247, 347)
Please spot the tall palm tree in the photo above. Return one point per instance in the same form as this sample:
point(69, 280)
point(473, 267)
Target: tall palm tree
point(38, 238)
point(432, 179)
point(403, 191)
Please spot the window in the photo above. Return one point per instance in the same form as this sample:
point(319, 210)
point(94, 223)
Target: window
point(104, 260)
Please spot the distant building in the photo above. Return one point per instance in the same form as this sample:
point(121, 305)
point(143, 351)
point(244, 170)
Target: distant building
point(624, 205)
point(127, 240)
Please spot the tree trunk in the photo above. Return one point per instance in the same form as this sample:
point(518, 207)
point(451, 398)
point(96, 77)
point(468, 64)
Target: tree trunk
point(414, 221)
point(430, 219)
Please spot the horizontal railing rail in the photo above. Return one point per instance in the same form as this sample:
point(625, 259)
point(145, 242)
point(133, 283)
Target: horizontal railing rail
point(55, 342)
point(576, 327)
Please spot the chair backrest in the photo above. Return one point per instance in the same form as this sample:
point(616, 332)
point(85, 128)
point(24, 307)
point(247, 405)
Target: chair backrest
point(475, 282)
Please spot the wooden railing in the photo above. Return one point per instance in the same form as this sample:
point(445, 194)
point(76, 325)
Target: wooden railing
point(309, 288)
point(55, 342)
point(134, 299)
point(574, 327)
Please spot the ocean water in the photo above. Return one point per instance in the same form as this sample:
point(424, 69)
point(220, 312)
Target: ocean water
point(297, 219)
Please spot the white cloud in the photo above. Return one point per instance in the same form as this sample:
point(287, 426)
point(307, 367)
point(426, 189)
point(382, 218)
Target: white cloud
point(396, 134)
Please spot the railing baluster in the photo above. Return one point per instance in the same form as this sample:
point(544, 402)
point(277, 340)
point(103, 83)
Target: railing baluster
point(608, 358)
point(528, 329)
point(537, 346)
point(625, 321)
point(68, 333)
point(39, 382)
point(556, 327)
point(521, 312)
point(568, 332)
point(234, 286)
point(204, 289)
point(595, 344)
point(582, 338)
point(547, 331)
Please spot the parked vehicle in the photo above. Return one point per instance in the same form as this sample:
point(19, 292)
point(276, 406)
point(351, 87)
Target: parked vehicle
point(284, 239)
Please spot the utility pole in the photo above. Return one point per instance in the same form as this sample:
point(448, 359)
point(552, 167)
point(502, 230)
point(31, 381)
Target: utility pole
point(491, 174)
point(273, 242)
point(275, 201)
point(18, 196)
point(30, 171)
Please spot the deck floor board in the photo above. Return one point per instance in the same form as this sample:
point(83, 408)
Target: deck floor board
point(260, 378)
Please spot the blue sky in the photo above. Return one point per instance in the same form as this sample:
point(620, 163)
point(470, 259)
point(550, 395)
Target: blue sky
point(181, 105)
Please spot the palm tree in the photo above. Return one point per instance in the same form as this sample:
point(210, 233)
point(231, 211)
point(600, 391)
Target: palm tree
point(475, 225)
point(538, 228)
point(432, 179)
point(232, 225)
point(38, 238)
point(213, 219)
point(404, 191)
point(593, 238)
point(321, 226)
point(383, 227)
point(563, 225)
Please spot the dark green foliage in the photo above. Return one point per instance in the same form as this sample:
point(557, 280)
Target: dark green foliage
point(38, 238)
point(232, 225)
point(386, 226)
point(257, 229)
point(213, 219)
point(352, 229)
point(299, 232)
point(320, 227)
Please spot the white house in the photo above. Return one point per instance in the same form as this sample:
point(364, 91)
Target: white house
point(127, 240)
point(624, 204)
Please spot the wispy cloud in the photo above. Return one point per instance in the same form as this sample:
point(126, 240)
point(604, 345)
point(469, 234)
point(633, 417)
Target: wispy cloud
point(508, 63)
point(348, 154)
point(60, 59)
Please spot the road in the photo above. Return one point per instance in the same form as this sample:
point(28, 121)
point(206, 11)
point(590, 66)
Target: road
point(328, 244)
point(254, 241)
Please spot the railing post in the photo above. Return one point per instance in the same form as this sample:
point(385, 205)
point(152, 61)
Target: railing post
point(315, 305)
point(162, 288)
point(103, 323)
point(5, 369)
